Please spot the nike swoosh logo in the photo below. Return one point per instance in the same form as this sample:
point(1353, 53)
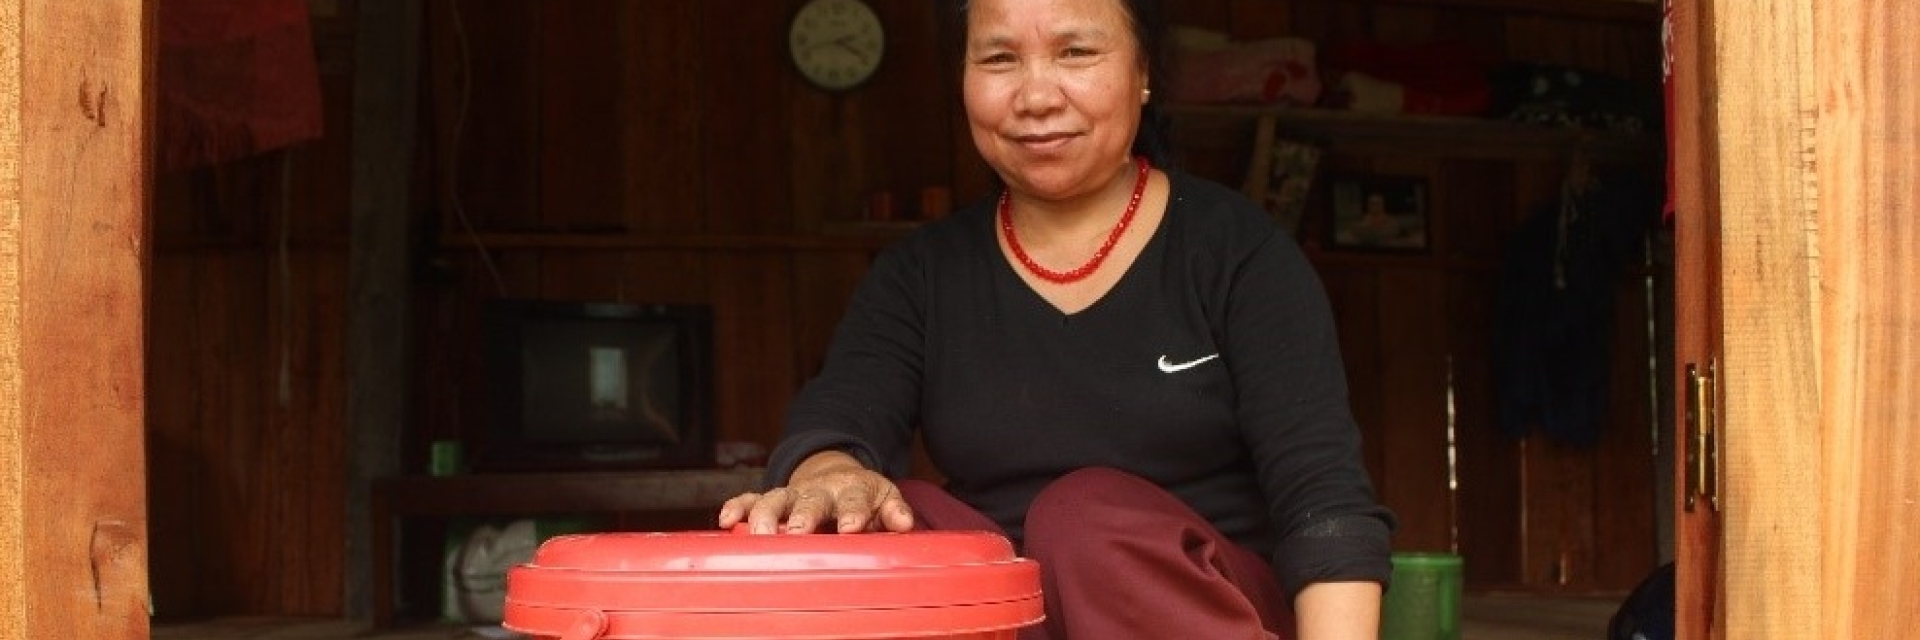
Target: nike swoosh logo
point(1170, 367)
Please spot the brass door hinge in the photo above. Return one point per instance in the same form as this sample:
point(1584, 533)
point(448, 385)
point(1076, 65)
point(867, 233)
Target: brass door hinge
point(1703, 435)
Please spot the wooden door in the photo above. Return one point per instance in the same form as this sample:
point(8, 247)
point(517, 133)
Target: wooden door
point(1696, 319)
point(73, 192)
point(1795, 121)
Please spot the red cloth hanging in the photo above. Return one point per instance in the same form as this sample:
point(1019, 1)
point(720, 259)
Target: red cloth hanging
point(1666, 88)
point(236, 78)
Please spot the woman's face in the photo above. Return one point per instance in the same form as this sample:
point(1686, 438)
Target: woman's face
point(1053, 90)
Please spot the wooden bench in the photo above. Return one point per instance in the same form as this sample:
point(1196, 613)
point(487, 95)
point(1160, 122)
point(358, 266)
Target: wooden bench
point(678, 493)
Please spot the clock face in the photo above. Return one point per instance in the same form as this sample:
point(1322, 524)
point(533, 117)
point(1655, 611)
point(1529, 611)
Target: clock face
point(836, 44)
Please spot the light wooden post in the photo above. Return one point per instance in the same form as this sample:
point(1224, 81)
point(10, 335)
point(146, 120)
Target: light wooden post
point(1811, 124)
point(1866, 70)
point(73, 251)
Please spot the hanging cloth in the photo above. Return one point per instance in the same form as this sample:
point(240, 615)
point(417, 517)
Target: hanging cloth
point(1554, 306)
point(235, 78)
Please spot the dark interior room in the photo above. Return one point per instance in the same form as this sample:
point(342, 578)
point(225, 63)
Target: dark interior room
point(339, 298)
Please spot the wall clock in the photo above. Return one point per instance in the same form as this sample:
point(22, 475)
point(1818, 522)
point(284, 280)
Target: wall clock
point(836, 44)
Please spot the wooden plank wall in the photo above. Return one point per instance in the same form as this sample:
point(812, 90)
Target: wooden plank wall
point(246, 418)
point(682, 119)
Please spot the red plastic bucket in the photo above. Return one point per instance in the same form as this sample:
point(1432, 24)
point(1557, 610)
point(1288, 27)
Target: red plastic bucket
point(713, 586)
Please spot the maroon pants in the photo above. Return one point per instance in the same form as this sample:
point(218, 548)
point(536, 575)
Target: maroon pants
point(1122, 558)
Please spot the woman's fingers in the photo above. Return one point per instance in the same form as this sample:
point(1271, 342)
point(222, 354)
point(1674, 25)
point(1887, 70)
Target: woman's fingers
point(874, 506)
point(769, 510)
point(735, 509)
point(811, 506)
point(852, 503)
point(894, 514)
point(854, 506)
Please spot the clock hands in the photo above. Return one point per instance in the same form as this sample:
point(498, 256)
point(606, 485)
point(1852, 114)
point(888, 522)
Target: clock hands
point(843, 42)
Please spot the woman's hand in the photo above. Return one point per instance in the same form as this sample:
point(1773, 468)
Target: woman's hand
point(827, 486)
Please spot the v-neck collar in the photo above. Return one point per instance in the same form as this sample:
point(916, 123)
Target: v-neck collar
point(1152, 250)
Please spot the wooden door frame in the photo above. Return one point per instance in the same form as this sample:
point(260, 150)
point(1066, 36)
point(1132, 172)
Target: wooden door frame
point(74, 192)
point(1696, 321)
point(1796, 244)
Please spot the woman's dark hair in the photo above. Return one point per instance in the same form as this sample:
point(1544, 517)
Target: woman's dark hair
point(1150, 30)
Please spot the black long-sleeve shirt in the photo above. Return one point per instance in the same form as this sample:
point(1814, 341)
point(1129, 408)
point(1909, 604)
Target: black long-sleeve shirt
point(1211, 368)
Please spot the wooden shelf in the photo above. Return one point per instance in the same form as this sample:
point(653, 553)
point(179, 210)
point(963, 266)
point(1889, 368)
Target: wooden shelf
point(636, 241)
point(1455, 137)
point(1625, 10)
point(397, 498)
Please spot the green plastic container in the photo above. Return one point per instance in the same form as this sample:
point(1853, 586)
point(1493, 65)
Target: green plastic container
point(1424, 601)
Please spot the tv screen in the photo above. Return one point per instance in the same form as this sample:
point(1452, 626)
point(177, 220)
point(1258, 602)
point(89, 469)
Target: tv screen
point(596, 385)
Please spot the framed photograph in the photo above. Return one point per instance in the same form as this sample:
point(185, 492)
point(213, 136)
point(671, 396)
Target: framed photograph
point(1289, 181)
point(1379, 213)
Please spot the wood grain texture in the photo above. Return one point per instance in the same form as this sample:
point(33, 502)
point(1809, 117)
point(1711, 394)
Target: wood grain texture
point(14, 567)
point(753, 345)
point(1491, 536)
point(73, 260)
point(245, 416)
point(1806, 116)
point(823, 285)
point(1558, 502)
point(1772, 571)
point(1354, 296)
point(579, 84)
point(913, 100)
point(1463, 190)
point(484, 58)
point(1868, 111)
point(744, 49)
point(1625, 469)
point(663, 156)
point(1412, 427)
point(1700, 604)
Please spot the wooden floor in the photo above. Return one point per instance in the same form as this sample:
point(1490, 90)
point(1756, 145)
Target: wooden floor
point(1485, 617)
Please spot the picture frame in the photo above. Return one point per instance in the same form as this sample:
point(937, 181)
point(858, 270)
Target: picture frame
point(1292, 167)
point(1379, 213)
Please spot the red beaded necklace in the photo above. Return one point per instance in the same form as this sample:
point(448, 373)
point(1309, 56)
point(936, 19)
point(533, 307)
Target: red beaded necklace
point(1099, 256)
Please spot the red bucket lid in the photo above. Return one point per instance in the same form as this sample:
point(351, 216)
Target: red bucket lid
point(715, 585)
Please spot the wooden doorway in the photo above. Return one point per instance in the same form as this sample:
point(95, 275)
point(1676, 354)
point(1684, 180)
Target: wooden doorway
point(1795, 121)
point(73, 247)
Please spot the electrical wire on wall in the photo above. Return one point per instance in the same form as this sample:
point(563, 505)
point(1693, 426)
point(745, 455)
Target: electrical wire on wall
point(464, 78)
point(284, 271)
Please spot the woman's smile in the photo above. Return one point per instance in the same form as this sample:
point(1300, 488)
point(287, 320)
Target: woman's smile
point(1046, 142)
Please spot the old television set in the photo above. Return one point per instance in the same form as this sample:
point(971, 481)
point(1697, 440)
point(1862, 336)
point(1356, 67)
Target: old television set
point(596, 386)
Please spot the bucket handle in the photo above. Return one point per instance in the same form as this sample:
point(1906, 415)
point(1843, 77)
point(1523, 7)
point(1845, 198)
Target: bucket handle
point(588, 624)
